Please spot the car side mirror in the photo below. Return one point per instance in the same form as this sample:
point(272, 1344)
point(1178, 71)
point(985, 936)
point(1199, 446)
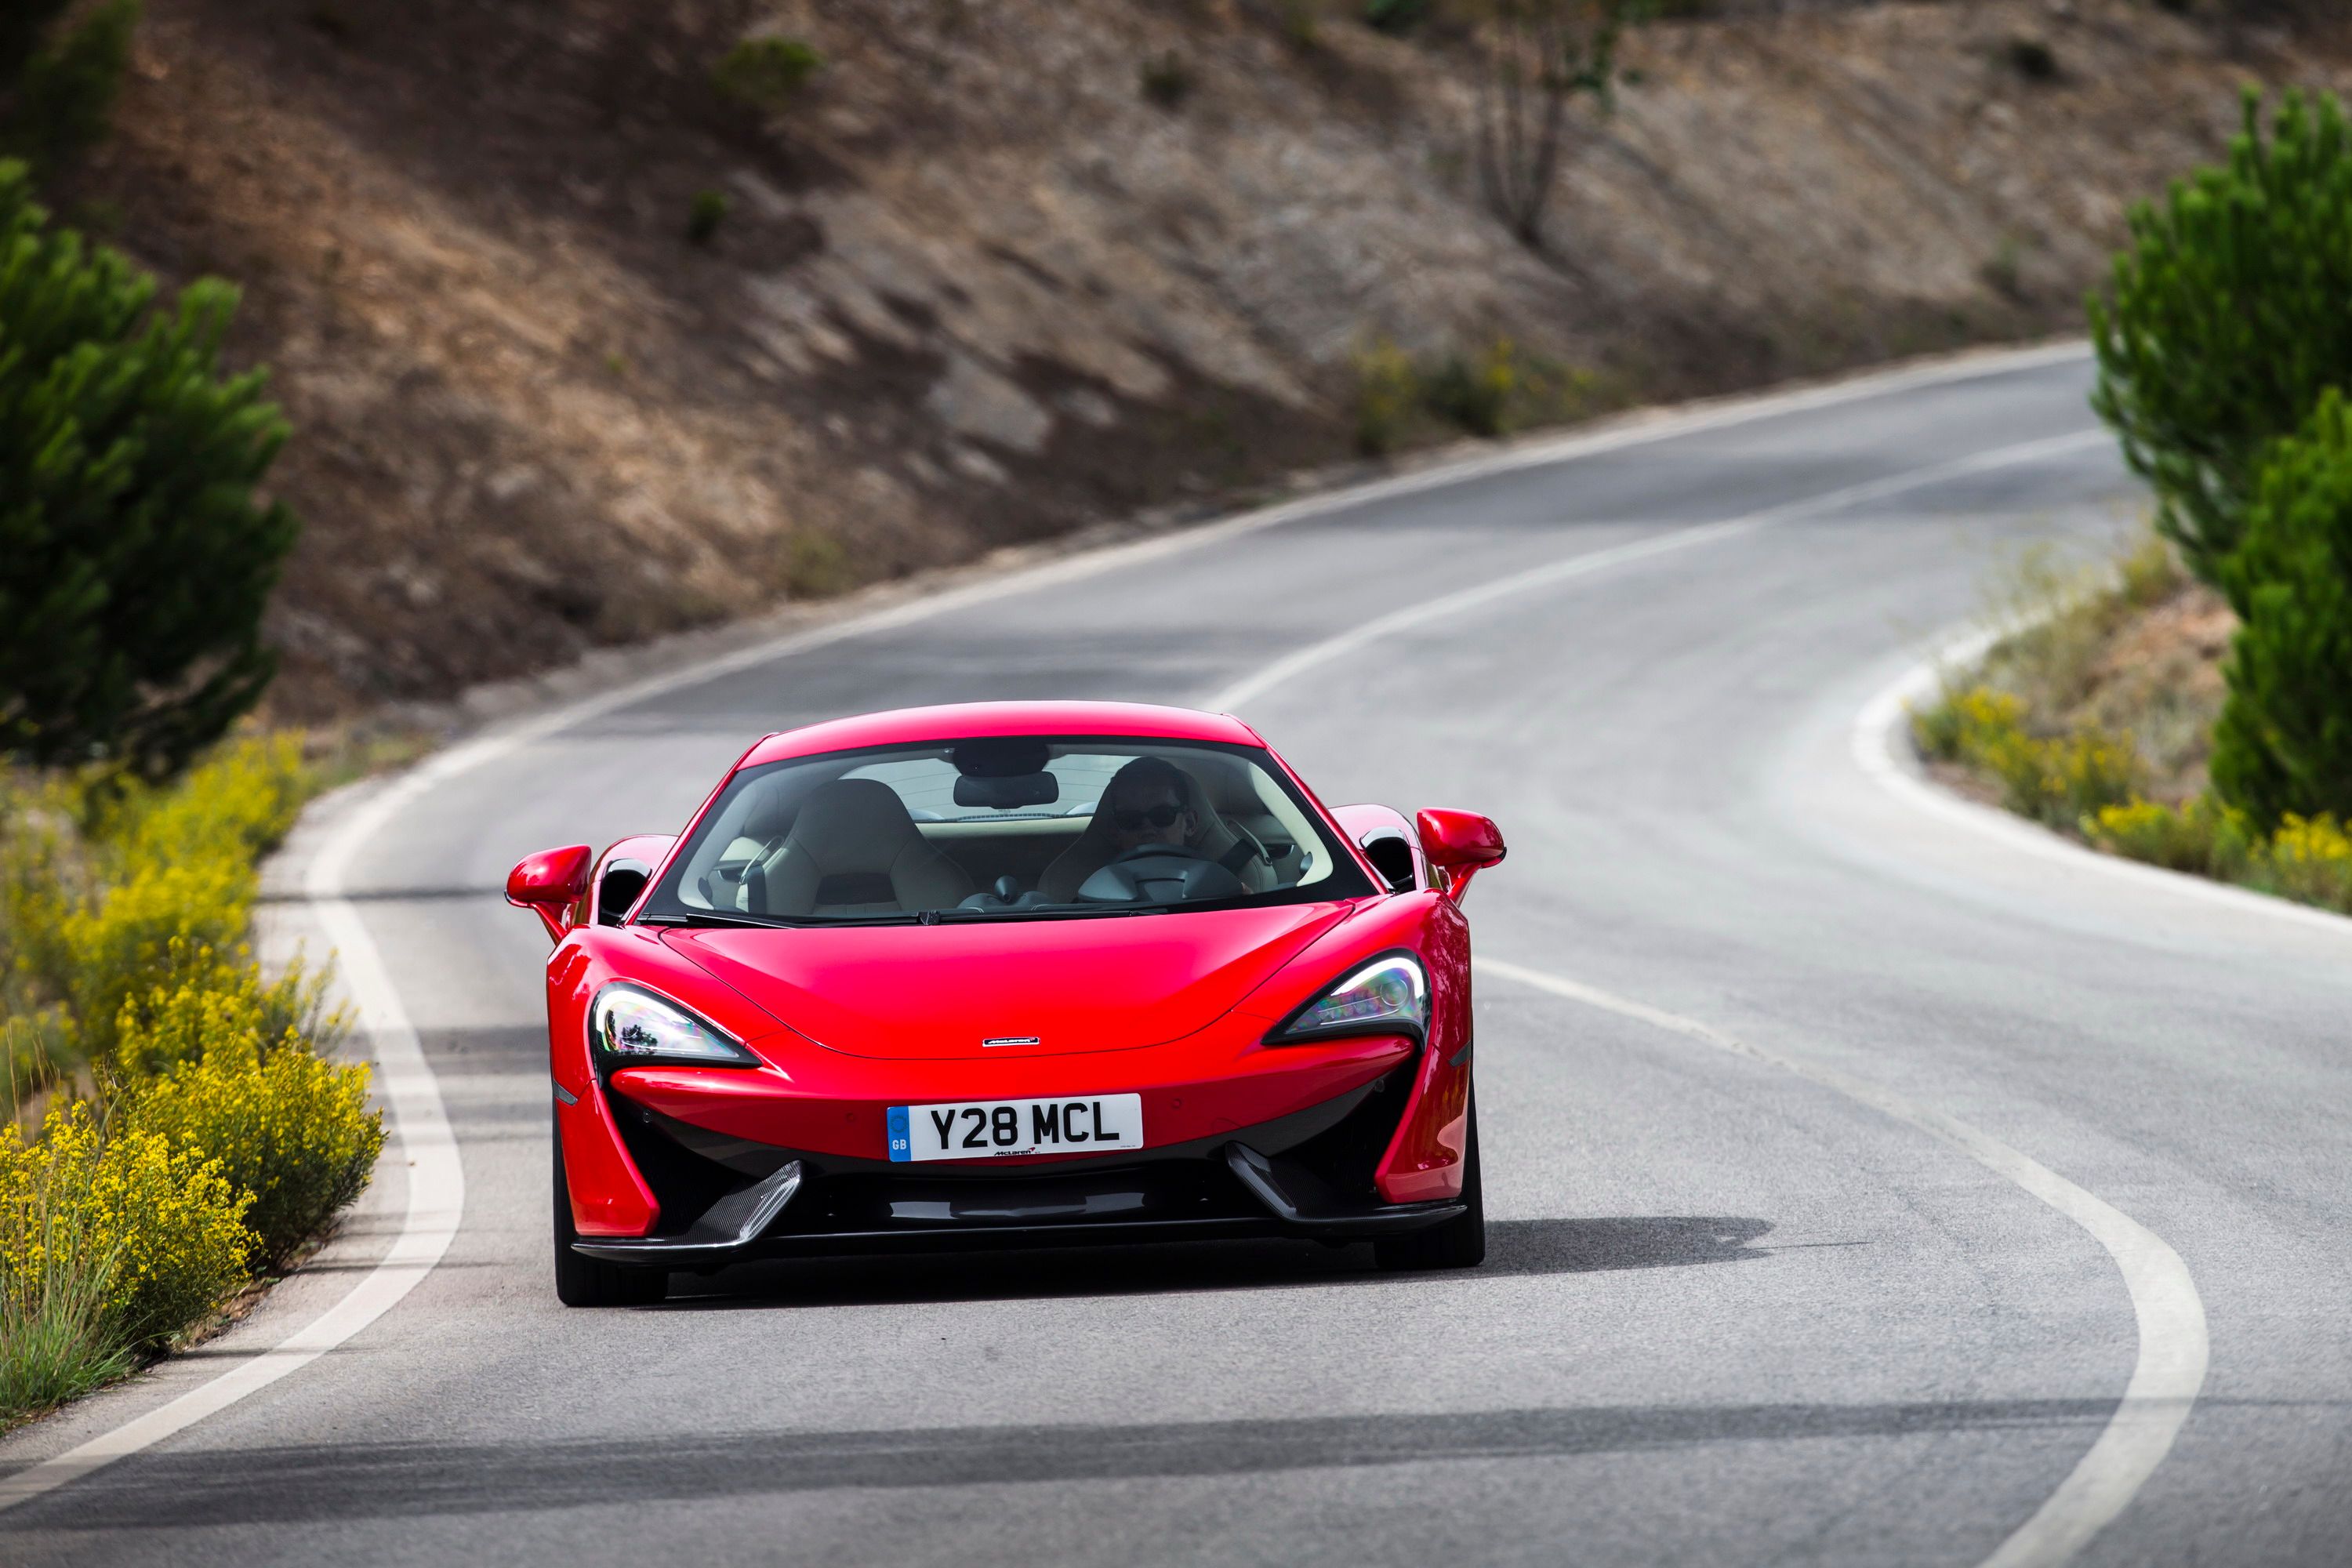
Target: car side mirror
point(1459, 845)
point(622, 875)
point(549, 884)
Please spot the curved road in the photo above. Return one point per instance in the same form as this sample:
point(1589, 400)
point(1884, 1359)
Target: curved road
point(1733, 1313)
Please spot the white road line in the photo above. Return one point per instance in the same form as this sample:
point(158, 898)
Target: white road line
point(1879, 749)
point(437, 1193)
point(2173, 1348)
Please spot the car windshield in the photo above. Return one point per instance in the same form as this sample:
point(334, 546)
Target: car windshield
point(1003, 827)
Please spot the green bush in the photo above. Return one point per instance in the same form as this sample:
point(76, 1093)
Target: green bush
point(2058, 780)
point(2284, 743)
point(2307, 858)
point(704, 215)
point(134, 559)
point(766, 74)
point(2202, 837)
point(1396, 17)
point(284, 1125)
point(2226, 319)
point(58, 83)
point(1387, 392)
point(1476, 393)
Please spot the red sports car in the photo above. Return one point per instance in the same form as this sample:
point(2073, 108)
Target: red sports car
point(1009, 974)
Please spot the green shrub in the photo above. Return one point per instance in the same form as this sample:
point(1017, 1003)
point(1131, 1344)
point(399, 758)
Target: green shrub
point(2202, 837)
point(704, 215)
point(1396, 17)
point(2225, 320)
point(59, 81)
point(284, 1125)
point(1476, 393)
point(134, 561)
point(2057, 780)
point(766, 74)
point(2283, 742)
point(1387, 392)
point(2307, 858)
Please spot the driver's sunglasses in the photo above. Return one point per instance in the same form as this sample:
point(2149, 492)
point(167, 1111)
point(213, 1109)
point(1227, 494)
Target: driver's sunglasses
point(1162, 815)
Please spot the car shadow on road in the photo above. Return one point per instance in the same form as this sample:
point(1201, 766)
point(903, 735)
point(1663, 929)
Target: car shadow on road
point(447, 1474)
point(1515, 1248)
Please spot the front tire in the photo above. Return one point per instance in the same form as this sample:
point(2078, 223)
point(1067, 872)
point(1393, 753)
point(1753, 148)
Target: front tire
point(1457, 1243)
point(588, 1281)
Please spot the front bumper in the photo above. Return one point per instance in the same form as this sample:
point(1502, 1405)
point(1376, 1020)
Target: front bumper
point(726, 1199)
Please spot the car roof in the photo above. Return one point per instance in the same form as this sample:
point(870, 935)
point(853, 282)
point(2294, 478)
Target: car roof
point(958, 720)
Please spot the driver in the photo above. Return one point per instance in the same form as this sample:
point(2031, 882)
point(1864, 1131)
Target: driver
point(1149, 801)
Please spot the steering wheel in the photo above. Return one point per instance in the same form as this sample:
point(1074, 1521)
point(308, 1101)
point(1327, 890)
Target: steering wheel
point(1154, 851)
point(1159, 874)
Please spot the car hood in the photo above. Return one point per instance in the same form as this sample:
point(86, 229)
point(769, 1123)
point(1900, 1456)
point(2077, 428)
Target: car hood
point(1034, 987)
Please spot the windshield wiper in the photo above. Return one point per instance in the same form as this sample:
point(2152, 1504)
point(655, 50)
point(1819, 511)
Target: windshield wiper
point(713, 920)
point(1064, 912)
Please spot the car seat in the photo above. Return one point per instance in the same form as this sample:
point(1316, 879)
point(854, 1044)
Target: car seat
point(853, 850)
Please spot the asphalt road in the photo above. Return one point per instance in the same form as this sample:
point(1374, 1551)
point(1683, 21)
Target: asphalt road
point(1731, 1315)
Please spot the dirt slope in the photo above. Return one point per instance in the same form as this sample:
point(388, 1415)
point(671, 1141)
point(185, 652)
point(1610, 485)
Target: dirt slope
point(974, 287)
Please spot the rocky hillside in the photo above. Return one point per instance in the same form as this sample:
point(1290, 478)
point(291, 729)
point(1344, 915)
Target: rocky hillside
point(1003, 266)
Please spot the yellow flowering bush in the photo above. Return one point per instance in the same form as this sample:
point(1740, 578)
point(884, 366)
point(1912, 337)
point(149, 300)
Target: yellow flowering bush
point(204, 1002)
point(153, 1234)
point(293, 1130)
point(2308, 858)
point(2203, 836)
point(124, 910)
point(2058, 780)
point(236, 806)
point(2311, 859)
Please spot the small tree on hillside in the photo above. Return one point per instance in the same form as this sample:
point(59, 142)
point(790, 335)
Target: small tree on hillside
point(2229, 315)
point(2283, 742)
point(134, 561)
point(59, 74)
point(1536, 57)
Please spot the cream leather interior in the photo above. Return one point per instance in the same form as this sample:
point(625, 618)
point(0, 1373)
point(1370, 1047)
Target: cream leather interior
point(853, 850)
point(1213, 839)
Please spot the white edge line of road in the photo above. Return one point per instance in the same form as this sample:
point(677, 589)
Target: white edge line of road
point(421, 1133)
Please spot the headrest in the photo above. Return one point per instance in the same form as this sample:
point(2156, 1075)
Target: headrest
point(854, 824)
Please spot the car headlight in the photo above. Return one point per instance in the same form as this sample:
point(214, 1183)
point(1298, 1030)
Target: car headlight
point(630, 1025)
point(1388, 995)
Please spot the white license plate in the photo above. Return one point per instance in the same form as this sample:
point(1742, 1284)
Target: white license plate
point(988, 1128)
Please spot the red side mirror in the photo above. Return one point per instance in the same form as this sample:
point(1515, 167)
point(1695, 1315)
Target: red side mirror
point(548, 883)
point(1459, 845)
